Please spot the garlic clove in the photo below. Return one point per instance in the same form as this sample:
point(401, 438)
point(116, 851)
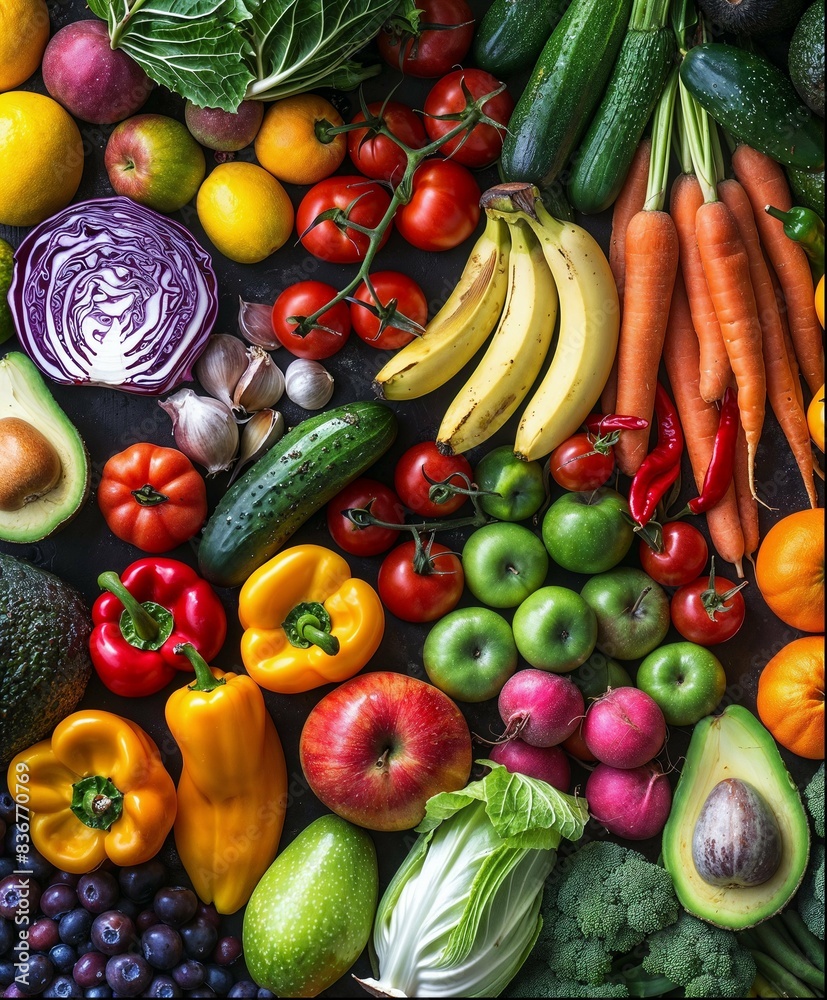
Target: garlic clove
point(308, 384)
point(255, 323)
point(203, 428)
point(262, 384)
point(260, 433)
point(220, 366)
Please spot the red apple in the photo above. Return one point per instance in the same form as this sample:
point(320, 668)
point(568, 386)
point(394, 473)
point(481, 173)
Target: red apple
point(377, 748)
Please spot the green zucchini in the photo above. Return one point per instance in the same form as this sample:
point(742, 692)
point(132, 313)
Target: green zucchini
point(288, 484)
point(601, 163)
point(564, 89)
point(755, 102)
point(513, 32)
point(808, 188)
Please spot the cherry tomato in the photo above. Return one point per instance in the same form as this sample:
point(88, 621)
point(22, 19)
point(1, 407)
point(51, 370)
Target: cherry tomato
point(683, 557)
point(444, 208)
point(389, 286)
point(328, 241)
point(484, 143)
point(384, 504)
point(420, 593)
point(412, 487)
point(705, 617)
point(378, 156)
point(575, 465)
point(303, 299)
point(436, 50)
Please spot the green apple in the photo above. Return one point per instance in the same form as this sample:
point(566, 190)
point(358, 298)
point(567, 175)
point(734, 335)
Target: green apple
point(470, 653)
point(503, 564)
point(686, 680)
point(632, 612)
point(519, 487)
point(598, 674)
point(555, 629)
point(588, 532)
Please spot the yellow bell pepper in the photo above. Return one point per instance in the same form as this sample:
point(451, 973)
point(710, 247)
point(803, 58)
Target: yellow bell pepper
point(233, 789)
point(307, 621)
point(96, 790)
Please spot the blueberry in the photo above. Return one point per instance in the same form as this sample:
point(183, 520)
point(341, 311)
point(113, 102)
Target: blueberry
point(162, 947)
point(141, 882)
point(90, 969)
point(63, 986)
point(59, 877)
point(202, 991)
point(74, 926)
point(40, 974)
point(163, 986)
point(63, 957)
point(227, 951)
point(58, 899)
point(102, 991)
point(8, 807)
point(33, 861)
point(128, 975)
point(145, 920)
point(128, 907)
point(98, 892)
point(8, 970)
point(265, 994)
point(208, 914)
point(7, 935)
point(175, 905)
point(113, 933)
point(189, 975)
point(199, 939)
point(19, 895)
point(43, 934)
point(219, 980)
point(7, 867)
point(244, 988)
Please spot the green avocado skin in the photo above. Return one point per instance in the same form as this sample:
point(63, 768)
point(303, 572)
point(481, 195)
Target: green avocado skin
point(44, 653)
point(806, 58)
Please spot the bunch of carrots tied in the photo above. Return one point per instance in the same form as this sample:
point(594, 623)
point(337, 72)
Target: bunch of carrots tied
point(716, 287)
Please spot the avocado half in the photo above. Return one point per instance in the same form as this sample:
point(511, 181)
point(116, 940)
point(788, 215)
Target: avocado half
point(24, 394)
point(735, 745)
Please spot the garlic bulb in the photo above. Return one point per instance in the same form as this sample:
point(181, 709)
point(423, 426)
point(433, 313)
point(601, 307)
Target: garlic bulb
point(260, 433)
point(262, 383)
point(308, 384)
point(255, 323)
point(204, 429)
point(220, 366)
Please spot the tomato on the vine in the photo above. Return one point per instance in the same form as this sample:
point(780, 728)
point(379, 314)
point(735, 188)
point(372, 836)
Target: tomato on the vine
point(367, 202)
point(682, 558)
point(709, 610)
point(412, 487)
point(420, 583)
point(484, 143)
point(383, 504)
point(444, 208)
point(389, 286)
point(436, 49)
point(303, 299)
point(576, 465)
point(378, 156)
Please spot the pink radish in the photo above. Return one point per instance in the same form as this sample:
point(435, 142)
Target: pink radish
point(541, 708)
point(624, 728)
point(548, 764)
point(633, 803)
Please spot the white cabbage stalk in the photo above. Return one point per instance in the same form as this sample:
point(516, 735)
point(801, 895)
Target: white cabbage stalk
point(463, 912)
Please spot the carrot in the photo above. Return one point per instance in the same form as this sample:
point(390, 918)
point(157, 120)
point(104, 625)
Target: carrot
point(746, 502)
point(628, 203)
point(681, 356)
point(788, 340)
point(765, 183)
point(726, 267)
point(781, 386)
point(716, 373)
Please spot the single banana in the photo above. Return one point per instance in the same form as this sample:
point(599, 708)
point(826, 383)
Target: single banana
point(515, 355)
point(460, 327)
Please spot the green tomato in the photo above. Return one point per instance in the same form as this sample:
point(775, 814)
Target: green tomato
point(470, 653)
point(588, 532)
point(686, 680)
point(503, 564)
point(598, 674)
point(519, 484)
point(632, 612)
point(555, 629)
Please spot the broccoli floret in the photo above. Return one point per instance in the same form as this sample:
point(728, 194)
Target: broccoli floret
point(535, 979)
point(705, 960)
point(568, 953)
point(814, 797)
point(810, 899)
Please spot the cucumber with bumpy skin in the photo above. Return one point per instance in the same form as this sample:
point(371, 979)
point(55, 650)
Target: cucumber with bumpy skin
point(513, 32)
point(288, 484)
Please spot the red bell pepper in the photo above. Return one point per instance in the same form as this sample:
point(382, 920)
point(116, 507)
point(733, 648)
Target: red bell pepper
point(154, 606)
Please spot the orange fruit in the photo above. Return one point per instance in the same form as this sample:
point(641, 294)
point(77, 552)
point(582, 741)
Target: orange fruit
point(24, 32)
point(815, 418)
point(820, 300)
point(791, 697)
point(789, 570)
point(289, 145)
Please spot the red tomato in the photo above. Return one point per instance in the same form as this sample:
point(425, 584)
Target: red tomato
point(390, 286)
point(575, 465)
point(342, 245)
point(412, 487)
point(485, 142)
point(444, 208)
point(303, 299)
point(702, 617)
point(436, 50)
point(683, 557)
point(378, 156)
point(420, 593)
point(384, 504)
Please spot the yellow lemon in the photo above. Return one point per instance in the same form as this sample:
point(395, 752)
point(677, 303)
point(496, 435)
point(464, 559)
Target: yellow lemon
point(41, 158)
point(244, 211)
point(291, 142)
point(24, 31)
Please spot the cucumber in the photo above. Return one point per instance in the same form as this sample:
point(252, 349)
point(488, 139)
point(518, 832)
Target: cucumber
point(602, 161)
point(808, 188)
point(513, 32)
point(288, 484)
point(564, 89)
point(755, 102)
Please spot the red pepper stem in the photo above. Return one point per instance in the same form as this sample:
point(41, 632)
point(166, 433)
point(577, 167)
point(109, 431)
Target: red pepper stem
point(205, 679)
point(145, 626)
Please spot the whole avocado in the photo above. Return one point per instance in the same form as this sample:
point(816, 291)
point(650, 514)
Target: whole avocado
point(44, 653)
point(806, 57)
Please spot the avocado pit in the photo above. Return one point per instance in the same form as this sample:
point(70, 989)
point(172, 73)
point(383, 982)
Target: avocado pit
point(30, 467)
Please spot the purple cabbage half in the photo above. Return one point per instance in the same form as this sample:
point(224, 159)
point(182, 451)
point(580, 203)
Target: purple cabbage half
point(110, 293)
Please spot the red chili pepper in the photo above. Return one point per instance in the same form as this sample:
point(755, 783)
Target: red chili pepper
point(155, 605)
point(719, 473)
point(661, 467)
point(598, 422)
